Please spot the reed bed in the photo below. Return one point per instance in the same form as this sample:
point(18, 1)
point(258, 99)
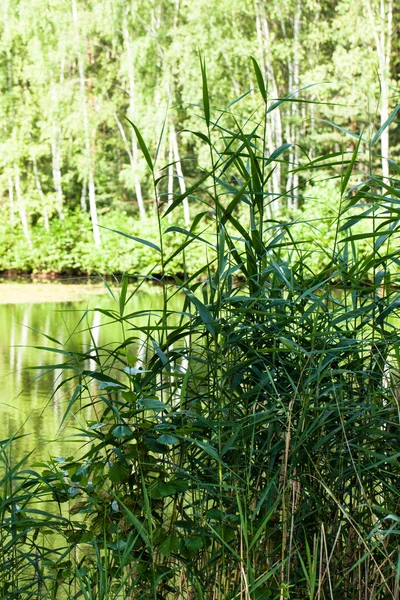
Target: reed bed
point(245, 446)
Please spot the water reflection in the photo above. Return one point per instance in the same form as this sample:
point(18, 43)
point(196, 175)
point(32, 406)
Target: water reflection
point(32, 403)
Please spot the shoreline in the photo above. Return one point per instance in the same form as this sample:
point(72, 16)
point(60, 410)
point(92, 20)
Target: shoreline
point(38, 293)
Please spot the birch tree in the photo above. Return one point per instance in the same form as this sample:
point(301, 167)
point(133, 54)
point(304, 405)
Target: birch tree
point(86, 129)
point(273, 119)
point(21, 205)
point(133, 154)
point(380, 15)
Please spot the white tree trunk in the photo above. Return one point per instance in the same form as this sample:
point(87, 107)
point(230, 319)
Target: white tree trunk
point(133, 161)
point(181, 179)
point(88, 149)
point(386, 74)
point(382, 30)
point(138, 187)
point(170, 196)
point(21, 206)
point(6, 39)
point(296, 79)
point(56, 158)
point(273, 119)
point(41, 195)
point(56, 167)
point(83, 195)
point(93, 209)
point(133, 155)
point(11, 200)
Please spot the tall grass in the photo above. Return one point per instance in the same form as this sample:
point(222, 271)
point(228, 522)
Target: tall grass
point(247, 445)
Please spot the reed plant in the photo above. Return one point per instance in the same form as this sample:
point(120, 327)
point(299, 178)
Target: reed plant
point(246, 445)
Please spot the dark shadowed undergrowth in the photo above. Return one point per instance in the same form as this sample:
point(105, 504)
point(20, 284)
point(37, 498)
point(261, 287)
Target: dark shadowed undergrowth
point(247, 445)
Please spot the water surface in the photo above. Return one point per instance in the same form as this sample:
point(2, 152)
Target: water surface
point(31, 405)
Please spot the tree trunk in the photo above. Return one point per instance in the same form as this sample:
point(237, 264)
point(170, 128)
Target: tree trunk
point(133, 155)
point(170, 175)
point(21, 206)
point(7, 43)
point(93, 209)
point(83, 195)
point(276, 120)
point(56, 132)
point(88, 148)
point(133, 161)
point(385, 76)
point(273, 119)
point(41, 195)
point(11, 200)
point(296, 52)
point(181, 179)
point(382, 30)
point(56, 167)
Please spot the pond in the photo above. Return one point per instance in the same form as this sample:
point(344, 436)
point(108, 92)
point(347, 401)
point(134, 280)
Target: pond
point(30, 314)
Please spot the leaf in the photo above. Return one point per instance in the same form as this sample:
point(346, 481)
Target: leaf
point(361, 193)
point(292, 99)
point(343, 130)
point(204, 313)
point(109, 385)
point(119, 471)
point(134, 238)
point(276, 153)
point(130, 397)
point(385, 125)
point(194, 543)
point(135, 370)
point(101, 377)
point(167, 489)
point(198, 134)
point(349, 169)
point(151, 404)
point(260, 79)
point(207, 448)
point(392, 307)
point(167, 440)
point(175, 229)
point(122, 296)
point(179, 199)
point(239, 98)
point(80, 473)
point(206, 97)
point(225, 532)
point(231, 207)
point(180, 485)
point(350, 222)
point(154, 489)
point(121, 431)
point(74, 396)
point(170, 545)
point(140, 527)
point(161, 355)
point(215, 514)
point(154, 446)
point(142, 145)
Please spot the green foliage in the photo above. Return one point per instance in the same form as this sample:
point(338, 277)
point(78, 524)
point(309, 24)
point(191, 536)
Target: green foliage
point(68, 247)
point(72, 71)
point(252, 451)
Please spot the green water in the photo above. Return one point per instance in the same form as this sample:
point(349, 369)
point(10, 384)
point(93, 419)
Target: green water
point(30, 406)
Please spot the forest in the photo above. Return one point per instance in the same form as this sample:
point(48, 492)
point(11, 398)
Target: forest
point(73, 72)
point(222, 421)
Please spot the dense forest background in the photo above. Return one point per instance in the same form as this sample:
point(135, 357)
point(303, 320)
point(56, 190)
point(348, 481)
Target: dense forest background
point(71, 70)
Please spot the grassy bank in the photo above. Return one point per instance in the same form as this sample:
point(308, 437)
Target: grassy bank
point(245, 446)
